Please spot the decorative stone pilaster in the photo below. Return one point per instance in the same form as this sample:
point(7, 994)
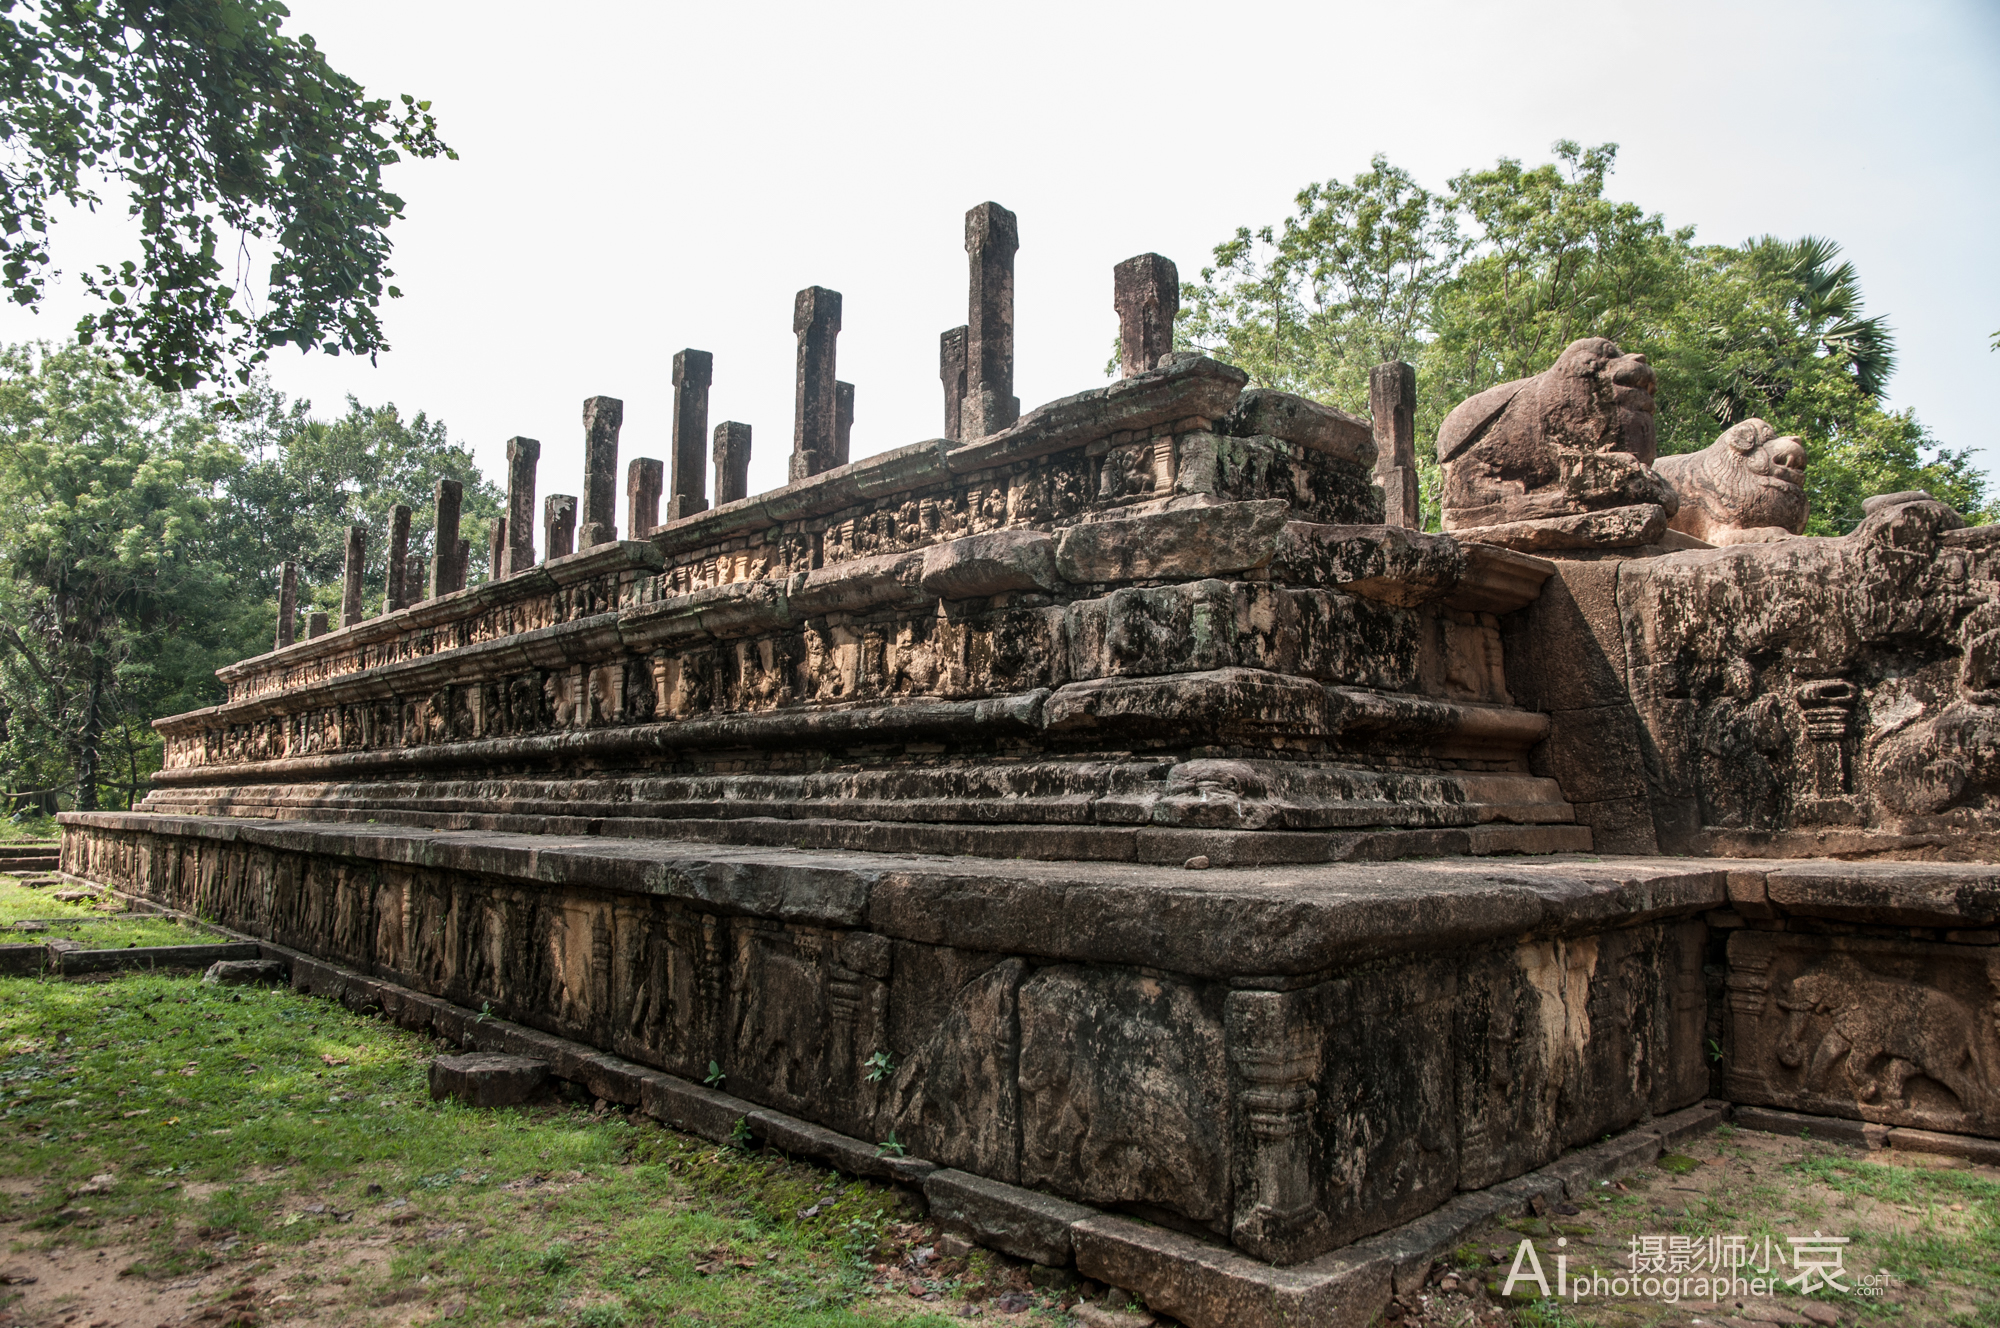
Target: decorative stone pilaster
point(1274, 1056)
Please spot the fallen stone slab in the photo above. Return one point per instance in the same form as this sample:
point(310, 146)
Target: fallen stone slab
point(244, 973)
point(19, 960)
point(484, 1079)
point(1614, 528)
point(68, 958)
point(1798, 1124)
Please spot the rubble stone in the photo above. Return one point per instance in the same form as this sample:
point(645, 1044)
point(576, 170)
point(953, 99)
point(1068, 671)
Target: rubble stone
point(484, 1079)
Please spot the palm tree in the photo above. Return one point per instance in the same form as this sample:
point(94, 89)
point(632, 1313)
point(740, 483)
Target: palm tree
point(1824, 301)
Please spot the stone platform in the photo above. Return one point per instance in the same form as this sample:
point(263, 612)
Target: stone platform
point(1260, 1065)
point(1119, 805)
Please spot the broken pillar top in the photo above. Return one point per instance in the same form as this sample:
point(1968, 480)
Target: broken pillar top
point(991, 239)
point(598, 521)
point(1146, 292)
point(815, 416)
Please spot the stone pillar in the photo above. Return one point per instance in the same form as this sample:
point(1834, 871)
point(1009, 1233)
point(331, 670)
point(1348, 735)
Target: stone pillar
point(350, 580)
point(558, 526)
point(602, 418)
point(991, 239)
point(316, 625)
point(396, 593)
point(496, 555)
point(444, 537)
point(951, 372)
point(414, 572)
point(461, 564)
point(522, 454)
point(732, 462)
point(816, 320)
point(642, 496)
point(694, 370)
point(843, 421)
point(1146, 292)
point(1392, 399)
point(288, 604)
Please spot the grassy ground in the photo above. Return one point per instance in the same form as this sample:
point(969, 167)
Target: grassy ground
point(1924, 1237)
point(29, 829)
point(168, 1148)
point(47, 918)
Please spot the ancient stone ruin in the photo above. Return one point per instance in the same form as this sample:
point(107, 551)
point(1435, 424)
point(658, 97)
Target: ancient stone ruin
point(1120, 821)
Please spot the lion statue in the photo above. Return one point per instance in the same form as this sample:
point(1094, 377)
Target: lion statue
point(1577, 437)
point(1747, 487)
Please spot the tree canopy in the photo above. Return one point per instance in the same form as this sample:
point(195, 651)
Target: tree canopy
point(225, 135)
point(145, 536)
point(1489, 279)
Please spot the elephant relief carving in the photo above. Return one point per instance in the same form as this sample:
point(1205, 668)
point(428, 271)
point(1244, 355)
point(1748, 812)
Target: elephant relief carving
point(1884, 1033)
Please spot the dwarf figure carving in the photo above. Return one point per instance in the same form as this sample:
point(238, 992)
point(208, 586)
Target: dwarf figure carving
point(1747, 487)
point(1577, 437)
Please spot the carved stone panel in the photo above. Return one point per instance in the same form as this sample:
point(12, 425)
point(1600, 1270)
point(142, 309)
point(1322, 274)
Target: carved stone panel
point(1122, 1091)
point(807, 1007)
point(955, 1098)
point(1895, 1032)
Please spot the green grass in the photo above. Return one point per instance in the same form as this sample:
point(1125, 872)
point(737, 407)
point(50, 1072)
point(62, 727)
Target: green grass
point(17, 901)
point(241, 1123)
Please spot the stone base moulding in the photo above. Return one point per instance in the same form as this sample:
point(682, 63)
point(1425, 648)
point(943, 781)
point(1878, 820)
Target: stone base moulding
point(1199, 1281)
point(1986, 1152)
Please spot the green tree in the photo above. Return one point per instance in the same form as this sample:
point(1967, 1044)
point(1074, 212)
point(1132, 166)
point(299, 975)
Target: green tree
point(1311, 304)
point(306, 480)
point(224, 133)
point(1513, 263)
point(111, 583)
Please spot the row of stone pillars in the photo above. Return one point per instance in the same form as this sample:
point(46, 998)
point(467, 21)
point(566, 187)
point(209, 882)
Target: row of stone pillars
point(976, 367)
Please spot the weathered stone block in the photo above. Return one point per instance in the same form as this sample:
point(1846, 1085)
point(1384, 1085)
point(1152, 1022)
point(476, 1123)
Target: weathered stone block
point(1184, 628)
point(244, 972)
point(1247, 704)
point(482, 1079)
point(1617, 528)
point(1208, 1285)
point(1298, 420)
point(1594, 754)
point(1386, 563)
point(1117, 1080)
point(990, 564)
point(1195, 542)
point(956, 1097)
point(1023, 1223)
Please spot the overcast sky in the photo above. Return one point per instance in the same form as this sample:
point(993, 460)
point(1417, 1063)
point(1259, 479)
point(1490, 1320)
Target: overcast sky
point(638, 178)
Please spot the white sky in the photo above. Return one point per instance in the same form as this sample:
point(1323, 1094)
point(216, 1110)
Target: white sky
point(639, 178)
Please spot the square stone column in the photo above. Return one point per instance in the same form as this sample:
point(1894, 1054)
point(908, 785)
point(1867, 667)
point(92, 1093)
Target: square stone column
point(1146, 292)
point(559, 525)
point(415, 572)
point(816, 320)
point(991, 239)
point(694, 370)
point(1392, 400)
point(951, 372)
point(642, 496)
point(602, 418)
point(396, 594)
point(316, 625)
point(448, 495)
point(288, 604)
point(350, 581)
point(732, 462)
point(461, 564)
point(843, 421)
point(496, 549)
point(522, 456)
